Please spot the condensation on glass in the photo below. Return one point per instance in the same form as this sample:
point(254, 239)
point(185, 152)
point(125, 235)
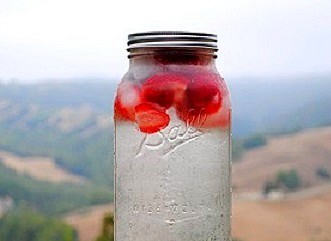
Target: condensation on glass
point(172, 141)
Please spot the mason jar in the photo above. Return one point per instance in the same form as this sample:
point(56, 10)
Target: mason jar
point(172, 141)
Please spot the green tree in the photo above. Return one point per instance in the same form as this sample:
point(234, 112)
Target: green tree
point(27, 225)
point(290, 179)
point(254, 142)
point(50, 198)
point(107, 233)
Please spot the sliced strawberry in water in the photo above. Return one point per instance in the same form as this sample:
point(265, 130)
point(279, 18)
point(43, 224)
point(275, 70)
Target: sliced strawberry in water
point(151, 118)
point(165, 89)
point(127, 98)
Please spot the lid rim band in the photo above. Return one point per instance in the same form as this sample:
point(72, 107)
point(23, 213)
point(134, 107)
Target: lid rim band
point(172, 39)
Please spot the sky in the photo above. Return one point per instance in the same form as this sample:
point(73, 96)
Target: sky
point(63, 39)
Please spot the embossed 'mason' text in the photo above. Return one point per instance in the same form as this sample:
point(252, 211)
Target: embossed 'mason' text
point(173, 208)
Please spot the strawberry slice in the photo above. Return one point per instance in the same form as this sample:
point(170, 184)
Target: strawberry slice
point(151, 118)
point(127, 98)
point(164, 89)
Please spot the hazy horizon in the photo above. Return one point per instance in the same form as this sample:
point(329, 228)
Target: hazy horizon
point(115, 80)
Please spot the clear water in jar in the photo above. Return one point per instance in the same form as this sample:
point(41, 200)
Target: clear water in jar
point(172, 185)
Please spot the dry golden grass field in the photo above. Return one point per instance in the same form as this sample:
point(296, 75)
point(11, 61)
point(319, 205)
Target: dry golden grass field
point(41, 168)
point(305, 151)
point(298, 219)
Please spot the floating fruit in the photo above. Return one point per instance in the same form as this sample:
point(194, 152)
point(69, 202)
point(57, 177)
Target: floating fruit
point(204, 104)
point(151, 117)
point(165, 89)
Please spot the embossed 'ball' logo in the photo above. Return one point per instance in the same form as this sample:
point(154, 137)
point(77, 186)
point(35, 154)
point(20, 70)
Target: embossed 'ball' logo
point(172, 137)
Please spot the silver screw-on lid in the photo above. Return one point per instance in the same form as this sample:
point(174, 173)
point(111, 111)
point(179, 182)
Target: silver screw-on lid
point(174, 39)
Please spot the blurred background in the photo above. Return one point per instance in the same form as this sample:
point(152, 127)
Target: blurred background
point(60, 62)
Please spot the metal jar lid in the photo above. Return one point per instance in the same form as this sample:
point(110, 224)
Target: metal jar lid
point(173, 39)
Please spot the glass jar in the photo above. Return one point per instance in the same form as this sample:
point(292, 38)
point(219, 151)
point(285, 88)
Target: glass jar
point(172, 141)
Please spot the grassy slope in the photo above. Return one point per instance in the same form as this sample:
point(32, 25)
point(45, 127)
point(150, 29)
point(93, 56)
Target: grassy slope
point(306, 219)
point(49, 198)
point(305, 151)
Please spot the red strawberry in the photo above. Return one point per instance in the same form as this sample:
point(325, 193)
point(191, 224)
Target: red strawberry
point(201, 119)
point(185, 59)
point(164, 89)
point(127, 98)
point(151, 118)
point(221, 118)
point(204, 93)
point(205, 104)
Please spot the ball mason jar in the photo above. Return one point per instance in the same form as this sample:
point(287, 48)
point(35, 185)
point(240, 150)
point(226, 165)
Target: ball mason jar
point(172, 141)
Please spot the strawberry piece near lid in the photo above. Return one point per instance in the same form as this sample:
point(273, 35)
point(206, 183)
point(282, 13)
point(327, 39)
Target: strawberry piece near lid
point(185, 59)
point(164, 89)
point(151, 118)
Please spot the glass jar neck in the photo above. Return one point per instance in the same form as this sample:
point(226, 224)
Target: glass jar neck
point(173, 56)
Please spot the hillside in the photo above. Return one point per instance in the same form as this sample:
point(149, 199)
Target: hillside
point(41, 168)
point(53, 95)
point(303, 219)
point(280, 105)
point(77, 138)
point(306, 219)
point(51, 198)
point(305, 151)
point(88, 222)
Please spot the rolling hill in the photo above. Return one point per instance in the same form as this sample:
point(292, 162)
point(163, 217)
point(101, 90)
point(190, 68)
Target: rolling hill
point(280, 105)
point(304, 219)
point(306, 151)
point(40, 168)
